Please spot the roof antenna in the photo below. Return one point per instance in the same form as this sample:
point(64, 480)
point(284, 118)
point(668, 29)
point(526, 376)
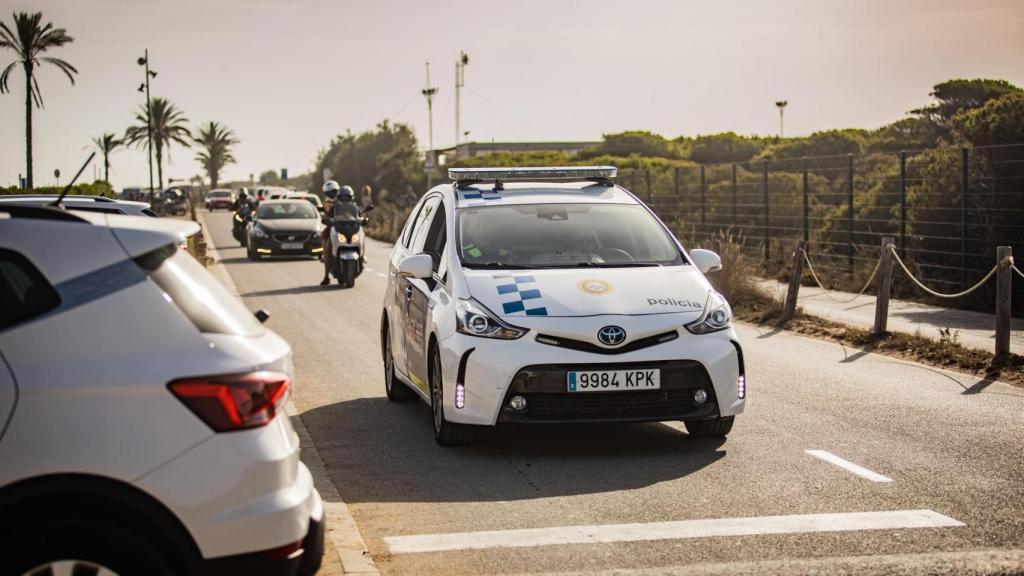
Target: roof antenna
point(73, 180)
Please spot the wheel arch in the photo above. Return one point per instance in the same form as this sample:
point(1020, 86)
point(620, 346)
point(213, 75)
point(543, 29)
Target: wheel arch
point(99, 498)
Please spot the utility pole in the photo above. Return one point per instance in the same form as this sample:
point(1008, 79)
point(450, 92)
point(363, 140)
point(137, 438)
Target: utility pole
point(429, 93)
point(460, 82)
point(144, 61)
point(781, 104)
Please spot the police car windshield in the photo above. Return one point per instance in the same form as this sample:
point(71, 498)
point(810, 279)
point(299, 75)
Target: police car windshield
point(286, 210)
point(563, 236)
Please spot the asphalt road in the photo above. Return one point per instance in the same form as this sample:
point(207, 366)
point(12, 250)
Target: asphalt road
point(948, 444)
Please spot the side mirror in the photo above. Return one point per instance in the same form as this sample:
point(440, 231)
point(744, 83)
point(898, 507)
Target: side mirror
point(325, 220)
point(369, 208)
point(262, 315)
point(706, 260)
point(418, 266)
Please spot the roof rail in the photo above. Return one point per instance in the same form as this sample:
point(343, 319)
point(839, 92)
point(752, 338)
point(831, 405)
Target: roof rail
point(40, 213)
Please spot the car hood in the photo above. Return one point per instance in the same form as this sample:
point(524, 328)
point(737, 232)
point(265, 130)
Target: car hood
point(591, 292)
point(289, 225)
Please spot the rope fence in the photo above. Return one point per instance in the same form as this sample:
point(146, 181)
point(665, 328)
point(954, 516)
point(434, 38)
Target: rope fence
point(828, 292)
point(882, 275)
point(961, 294)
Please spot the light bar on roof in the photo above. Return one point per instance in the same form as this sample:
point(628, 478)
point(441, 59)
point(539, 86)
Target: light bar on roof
point(548, 173)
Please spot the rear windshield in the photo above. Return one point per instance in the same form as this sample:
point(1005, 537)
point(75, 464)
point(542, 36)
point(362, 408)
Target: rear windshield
point(219, 194)
point(198, 294)
point(286, 210)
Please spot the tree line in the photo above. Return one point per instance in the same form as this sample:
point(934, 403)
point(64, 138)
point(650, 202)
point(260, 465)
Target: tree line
point(158, 125)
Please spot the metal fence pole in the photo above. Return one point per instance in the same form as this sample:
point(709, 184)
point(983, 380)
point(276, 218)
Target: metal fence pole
point(675, 194)
point(650, 194)
point(903, 203)
point(964, 174)
point(764, 200)
point(734, 193)
point(849, 210)
point(807, 229)
point(703, 201)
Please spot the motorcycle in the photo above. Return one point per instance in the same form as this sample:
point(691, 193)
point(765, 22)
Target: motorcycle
point(348, 246)
point(240, 222)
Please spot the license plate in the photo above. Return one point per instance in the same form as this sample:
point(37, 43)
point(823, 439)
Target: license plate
point(291, 245)
point(613, 380)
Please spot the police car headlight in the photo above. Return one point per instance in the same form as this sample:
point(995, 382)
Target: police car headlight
point(473, 319)
point(258, 232)
point(717, 316)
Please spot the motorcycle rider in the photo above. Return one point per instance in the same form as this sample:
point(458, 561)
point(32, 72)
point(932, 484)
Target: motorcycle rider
point(334, 195)
point(242, 208)
point(330, 193)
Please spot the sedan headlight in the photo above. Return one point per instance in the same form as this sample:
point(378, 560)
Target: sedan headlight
point(258, 232)
point(717, 316)
point(473, 319)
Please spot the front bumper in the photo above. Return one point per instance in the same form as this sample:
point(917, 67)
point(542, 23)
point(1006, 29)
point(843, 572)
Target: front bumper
point(273, 245)
point(492, 371)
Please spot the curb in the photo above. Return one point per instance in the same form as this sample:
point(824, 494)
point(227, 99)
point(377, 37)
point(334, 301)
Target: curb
point(342, 532)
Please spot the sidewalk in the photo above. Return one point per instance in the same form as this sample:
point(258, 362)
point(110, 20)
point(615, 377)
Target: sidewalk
point(975, 329)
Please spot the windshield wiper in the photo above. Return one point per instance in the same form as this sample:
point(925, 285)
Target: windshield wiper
point(602, 265)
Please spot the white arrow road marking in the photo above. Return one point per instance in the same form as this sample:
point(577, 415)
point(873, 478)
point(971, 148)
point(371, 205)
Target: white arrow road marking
point(382, 275)
point(849, 466)
point(684, 529)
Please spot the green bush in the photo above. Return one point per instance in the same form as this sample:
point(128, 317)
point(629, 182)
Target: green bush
point(97, 188)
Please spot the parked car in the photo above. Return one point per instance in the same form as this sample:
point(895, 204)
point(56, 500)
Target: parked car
point(220, 198)
point(142, 424)
point(553, 295)
point(309, 197)
point(284, 228)
point(82, 203)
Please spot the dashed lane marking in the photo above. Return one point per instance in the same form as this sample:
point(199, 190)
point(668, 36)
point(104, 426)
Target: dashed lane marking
point(685, 529)
point(849, 466)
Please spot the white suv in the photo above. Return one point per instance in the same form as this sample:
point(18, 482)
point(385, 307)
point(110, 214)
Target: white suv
point(141, 409)
point(552, 295)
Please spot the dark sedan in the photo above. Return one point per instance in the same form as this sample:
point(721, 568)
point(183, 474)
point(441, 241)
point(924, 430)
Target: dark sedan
point(284, 228)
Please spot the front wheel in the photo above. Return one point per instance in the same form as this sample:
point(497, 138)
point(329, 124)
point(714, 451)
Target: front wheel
point(445, 433)
point(348, 273)
point(717, 428)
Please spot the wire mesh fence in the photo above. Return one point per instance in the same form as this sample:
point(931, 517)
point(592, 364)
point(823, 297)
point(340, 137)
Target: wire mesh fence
point(948, 208)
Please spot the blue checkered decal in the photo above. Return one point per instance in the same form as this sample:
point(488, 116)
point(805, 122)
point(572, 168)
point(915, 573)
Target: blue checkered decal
point(521, 296)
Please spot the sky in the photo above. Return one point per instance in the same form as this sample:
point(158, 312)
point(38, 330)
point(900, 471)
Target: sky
point(287, 76)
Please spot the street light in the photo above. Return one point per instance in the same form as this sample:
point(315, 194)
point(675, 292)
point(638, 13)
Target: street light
point(144, 61)
point(429, 93)
point(781, 104)
point(460, 82)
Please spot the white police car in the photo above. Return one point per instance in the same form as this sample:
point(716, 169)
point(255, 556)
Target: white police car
point(553, 295)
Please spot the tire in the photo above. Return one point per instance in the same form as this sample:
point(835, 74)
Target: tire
point(348, 273)
point(445, 433)
point(395, 390)
point(717, 428)
point(88, 545)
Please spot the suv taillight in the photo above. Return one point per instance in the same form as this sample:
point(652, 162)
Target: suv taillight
point(233, 402)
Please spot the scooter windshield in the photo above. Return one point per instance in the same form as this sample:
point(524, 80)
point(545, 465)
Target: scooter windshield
point(346, 212)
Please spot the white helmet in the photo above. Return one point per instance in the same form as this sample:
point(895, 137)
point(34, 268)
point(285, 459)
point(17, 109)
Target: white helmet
point(331, 189)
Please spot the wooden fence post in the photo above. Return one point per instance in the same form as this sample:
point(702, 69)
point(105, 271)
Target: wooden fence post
point(884, 284)
point(1004, 288)
point(796, 272)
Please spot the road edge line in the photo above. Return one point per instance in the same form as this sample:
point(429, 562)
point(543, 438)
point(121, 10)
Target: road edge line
point(348, 543)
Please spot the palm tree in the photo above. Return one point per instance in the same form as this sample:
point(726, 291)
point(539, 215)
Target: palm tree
point(30, 40)
point(169, 125)
point(216, 141)
point(106, 144)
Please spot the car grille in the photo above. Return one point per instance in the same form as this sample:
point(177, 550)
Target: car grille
point(291, 237)
point(595, 349)
point(609, 405)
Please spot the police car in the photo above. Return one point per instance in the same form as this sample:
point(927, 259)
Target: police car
point(553, 295)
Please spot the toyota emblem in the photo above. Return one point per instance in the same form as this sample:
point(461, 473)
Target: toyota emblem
point(611, 335)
